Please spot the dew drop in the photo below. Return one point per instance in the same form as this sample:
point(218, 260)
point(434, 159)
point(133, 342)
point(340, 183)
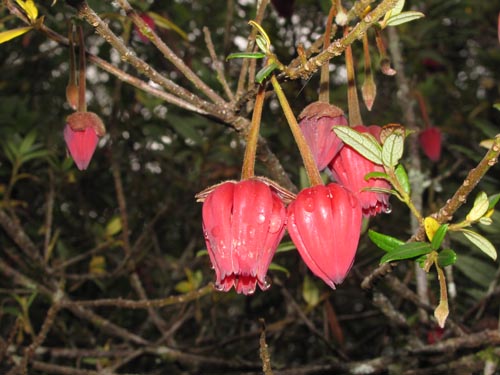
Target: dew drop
point(388, 208)
point(309, 204)
point(275, 224)
point(266, 284)
point(219, 287)
point(261, 218)
point(251, 232)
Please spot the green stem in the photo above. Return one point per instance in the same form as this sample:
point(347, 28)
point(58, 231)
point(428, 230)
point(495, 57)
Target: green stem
point(405, 197)
point(248, 169)
point(305, 151)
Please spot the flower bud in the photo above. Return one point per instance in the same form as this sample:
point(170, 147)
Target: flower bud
point(324, 223)
point(316, 122)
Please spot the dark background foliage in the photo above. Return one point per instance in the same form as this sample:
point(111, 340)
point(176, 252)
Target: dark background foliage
point(163, 155)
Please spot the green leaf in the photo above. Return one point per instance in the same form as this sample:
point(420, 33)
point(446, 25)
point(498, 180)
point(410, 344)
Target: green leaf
point(366, 145)
point(447, 257)
point(34, 155)
point(384, 242)
point(407, 251)
point(398, 7)
point(286, 246)
point(27, 142)
point(5, 36)
point(392, 150)
point(246, 55)
point(261, 43)
point(276, 267)
point(310, 291)
point(493, 199)
point(265, 72)
point(402, 177)
point(476, 269)
point(480, 207)
point(482, 243)
point(496, 106)
point(382, 175)
point(438, 237)
point(165, 23)
point(404, 17)
point(113, 227)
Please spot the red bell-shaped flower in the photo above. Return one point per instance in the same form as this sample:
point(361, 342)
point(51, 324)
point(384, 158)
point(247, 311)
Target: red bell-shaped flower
point(324, 223)
point(430, 141)
point(243, 224)
point(349, 168)
point(81, 145)
point(316, 122)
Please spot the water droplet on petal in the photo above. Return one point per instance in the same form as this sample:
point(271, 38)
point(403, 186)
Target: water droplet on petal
point(388, 209)
point(261, 218)
point(275, 224)
point(251, 231)
point(309, 204)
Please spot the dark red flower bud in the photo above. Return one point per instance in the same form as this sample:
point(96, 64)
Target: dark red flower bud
point(150, 22)
point(316, 122)
point(81, 135)
point(324, 223)
point(430, 141)
point(349, 168)
point(243, 224)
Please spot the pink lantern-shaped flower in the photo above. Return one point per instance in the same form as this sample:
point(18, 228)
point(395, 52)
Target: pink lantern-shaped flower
point(349, 168)
point(430, 141)
point(324, 223)
point(81, 135)
point(316, 122)
point(243, 224)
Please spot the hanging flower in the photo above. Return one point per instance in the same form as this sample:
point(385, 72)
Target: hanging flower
point(324, 223)
point(430, 141)
point(316, 122)
point(349, 168)
point(243, 223)
point(81, 134)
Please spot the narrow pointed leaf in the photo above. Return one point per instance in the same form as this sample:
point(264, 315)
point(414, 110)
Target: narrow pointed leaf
point(265, 72)
point(407, 251)
point(366, 145)
point(246, 55)
point(29, 8)
point(384, 242)
point(165, 23)
point(493, 199)
point(404, 17)
point(5, 36)
point(480, 207)
point(482, 243)
point(438, 238)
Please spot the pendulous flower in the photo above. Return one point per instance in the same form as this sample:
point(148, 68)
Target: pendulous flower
point(243, 223)
point(349, 168)
point(430, 141)
point(324, 223)
point(316, 122)
point(81, 134)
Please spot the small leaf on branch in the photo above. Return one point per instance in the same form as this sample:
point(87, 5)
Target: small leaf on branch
point(265, 72)
point(392, 150)
point(384, 242)
point(5, 36)
point(431, 226)
point(482, 243)
point(407, 251)
point(438, 237)
point(446, 257)
point(480, 207)
point(404, 17)
point(363, 143)
point(246, 55)
point(402, 177)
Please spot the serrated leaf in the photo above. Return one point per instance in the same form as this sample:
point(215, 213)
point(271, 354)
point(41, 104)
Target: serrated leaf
point(431, 225)
point(384, 242)
point(5, 36)
point(402, 177)
point(392, 150)
point(480, 207)
point(265, 72)
point(113, 227)
point(404, 17)
point(407, 251)
point(367, 146)
point(438, 238)
point(246, 55)
point(446, 257)
point(480, 242)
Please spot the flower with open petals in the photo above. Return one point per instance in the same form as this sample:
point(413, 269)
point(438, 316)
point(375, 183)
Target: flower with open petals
point(349, 168)
point(324, 223)
point(243, 223)
point(316, 122)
